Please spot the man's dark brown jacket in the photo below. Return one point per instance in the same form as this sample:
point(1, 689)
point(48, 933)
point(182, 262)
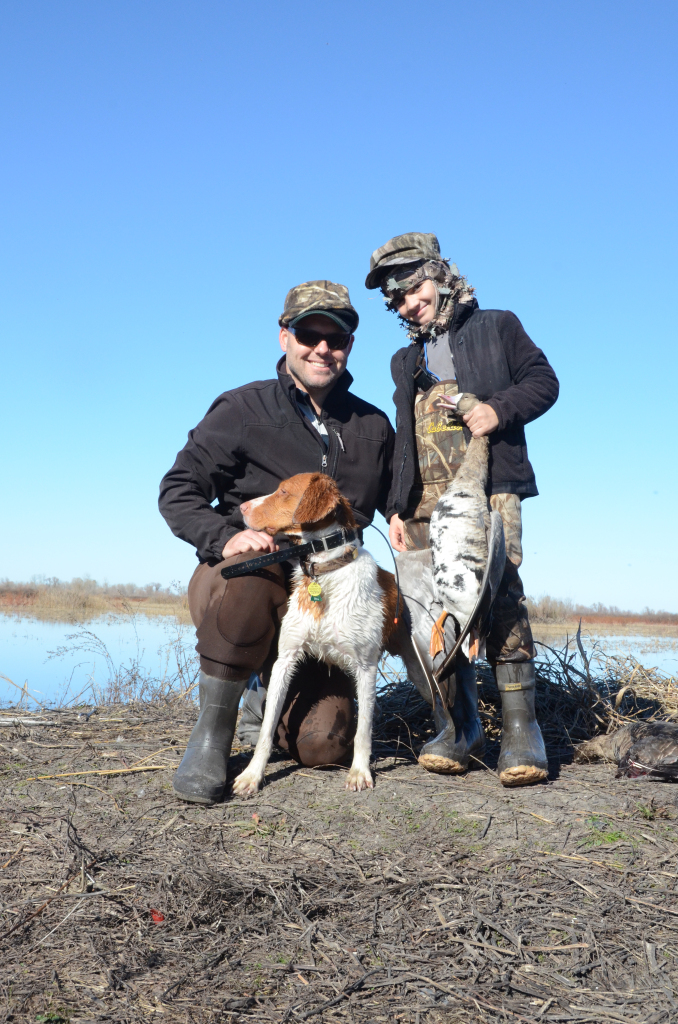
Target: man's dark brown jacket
point(255, 436)
point(495, 360)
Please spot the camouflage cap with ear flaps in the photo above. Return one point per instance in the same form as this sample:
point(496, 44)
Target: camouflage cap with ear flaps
point(404, 263)
point(323, 297)
point(413, 247)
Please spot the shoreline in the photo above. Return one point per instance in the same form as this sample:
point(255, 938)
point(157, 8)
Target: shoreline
point(603, 625)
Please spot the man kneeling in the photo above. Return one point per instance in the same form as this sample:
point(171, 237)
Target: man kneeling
point(305, 420)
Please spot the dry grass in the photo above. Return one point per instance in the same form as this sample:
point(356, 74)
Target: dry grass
point(579, 693)
point(83, 599)
point(547, 609)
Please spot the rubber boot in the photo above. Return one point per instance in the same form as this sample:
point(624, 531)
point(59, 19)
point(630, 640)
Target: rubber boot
point(201, 776)
point(252, 714)
point(460, 733)
point(523, 756)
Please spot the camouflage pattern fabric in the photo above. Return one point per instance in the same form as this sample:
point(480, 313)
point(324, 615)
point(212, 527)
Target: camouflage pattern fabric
point(403, 263)
point(510, 637)
point(440, 446)
point(397, 281)
point(408, 248)
point(320, 297)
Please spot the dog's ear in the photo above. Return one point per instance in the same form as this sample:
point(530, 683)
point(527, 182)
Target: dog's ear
point(318, 500)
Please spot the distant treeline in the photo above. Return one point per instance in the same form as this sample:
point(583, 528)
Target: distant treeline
point(85, 596)
point(552, 609)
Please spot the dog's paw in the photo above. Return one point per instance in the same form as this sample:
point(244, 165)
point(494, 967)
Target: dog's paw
point(359, 779)
point(246, 785)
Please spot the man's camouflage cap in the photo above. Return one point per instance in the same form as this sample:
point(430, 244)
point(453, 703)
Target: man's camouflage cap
point(324, 297)
point(410, 248)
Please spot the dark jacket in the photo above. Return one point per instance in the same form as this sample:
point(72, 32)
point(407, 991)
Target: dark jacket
point(254, 437)
point(495, 360)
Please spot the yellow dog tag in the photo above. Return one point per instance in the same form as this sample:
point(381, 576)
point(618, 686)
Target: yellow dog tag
point(315, 591)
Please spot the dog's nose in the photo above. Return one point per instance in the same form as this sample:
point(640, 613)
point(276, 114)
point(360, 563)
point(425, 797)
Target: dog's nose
point(245, 507)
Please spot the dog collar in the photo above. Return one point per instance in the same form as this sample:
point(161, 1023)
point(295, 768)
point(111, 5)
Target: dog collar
point(313, 547)
point(313, 569)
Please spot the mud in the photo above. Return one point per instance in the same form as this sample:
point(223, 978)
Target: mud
point(429, 899)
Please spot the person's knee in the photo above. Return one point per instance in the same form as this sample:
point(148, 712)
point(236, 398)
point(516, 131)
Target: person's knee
point(240, 621)
point(318, 721)
point(314, 747)
point(218, 670)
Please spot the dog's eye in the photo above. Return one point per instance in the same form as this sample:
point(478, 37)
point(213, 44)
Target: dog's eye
point(282, 491)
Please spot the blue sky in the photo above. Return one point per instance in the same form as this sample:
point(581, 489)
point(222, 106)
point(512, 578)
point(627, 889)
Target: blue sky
point(170, 169)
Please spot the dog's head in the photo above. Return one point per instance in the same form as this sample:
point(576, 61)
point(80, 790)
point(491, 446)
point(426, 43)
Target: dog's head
point(307, 501)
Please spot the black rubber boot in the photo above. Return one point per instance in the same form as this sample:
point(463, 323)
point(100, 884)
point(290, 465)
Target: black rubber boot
point(523, 756)
point(201, 776)
point(462, 737)
point(252, 714)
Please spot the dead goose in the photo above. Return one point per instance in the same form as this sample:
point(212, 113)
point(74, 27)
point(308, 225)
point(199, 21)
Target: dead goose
point(442, 617)
point(453, 694)
point(468, 559)
point(640, 749)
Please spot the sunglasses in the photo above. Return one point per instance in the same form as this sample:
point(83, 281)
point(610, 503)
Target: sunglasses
point(309, 339)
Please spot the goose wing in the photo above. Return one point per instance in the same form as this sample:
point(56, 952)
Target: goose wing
point(482, 610)
point(422, 608)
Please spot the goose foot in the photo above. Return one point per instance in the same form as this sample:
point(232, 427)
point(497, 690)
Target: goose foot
point(437, 644)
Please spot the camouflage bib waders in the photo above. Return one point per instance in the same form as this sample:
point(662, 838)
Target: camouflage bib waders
point(441, 447)
point(440, 450)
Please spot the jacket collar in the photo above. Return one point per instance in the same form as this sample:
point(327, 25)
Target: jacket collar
point(462, 311)
point(336, 395)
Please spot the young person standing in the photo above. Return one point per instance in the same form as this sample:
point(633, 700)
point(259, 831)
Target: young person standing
point(454, 346)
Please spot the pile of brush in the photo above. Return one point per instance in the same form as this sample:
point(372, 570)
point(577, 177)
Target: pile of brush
point(579, 697)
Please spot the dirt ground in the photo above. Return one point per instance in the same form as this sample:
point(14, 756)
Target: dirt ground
point(429, 899)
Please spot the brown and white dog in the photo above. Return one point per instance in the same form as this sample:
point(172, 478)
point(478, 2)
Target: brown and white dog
point(349, 625)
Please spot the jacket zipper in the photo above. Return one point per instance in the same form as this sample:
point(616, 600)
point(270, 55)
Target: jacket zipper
point(326, 454)
point(316, 435)
point(336, 451)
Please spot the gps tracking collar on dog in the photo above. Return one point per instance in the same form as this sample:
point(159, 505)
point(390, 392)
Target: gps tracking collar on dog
point(335, 540)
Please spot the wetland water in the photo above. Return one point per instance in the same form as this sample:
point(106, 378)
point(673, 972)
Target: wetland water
point(27, 647)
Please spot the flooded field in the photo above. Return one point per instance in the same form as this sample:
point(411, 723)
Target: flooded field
point(653, 648)
point(57, 661)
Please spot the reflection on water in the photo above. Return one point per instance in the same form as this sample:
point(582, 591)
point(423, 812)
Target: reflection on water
point(659, 652)
point(57, 661)
point(154, 645)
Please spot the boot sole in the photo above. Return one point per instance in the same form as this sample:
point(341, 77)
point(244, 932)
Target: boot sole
point(522, 775)
point(441, 765)
point(193, 798)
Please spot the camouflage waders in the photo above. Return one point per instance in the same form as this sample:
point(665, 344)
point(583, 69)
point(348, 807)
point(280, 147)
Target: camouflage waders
point(510, 649)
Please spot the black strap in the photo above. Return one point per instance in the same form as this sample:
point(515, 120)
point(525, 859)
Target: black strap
point(335, 540)
point(422, 378)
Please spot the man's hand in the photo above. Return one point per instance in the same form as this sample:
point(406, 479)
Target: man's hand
point(396, 533)
point(480, 421)
point(248, 540)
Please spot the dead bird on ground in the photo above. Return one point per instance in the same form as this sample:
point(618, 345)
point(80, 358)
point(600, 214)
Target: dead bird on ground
point(640, 749)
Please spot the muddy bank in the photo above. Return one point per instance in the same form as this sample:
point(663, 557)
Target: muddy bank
point(441, 899)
